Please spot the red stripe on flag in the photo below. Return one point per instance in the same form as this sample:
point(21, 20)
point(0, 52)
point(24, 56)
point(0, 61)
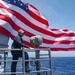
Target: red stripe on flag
point(63, 49)
point(33, 15)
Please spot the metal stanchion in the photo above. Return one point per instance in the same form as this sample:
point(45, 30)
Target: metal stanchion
point(23, 60)
point(50, 61)
point(4, 62)
point(37, 62)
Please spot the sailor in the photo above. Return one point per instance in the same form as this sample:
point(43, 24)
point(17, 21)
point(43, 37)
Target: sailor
point(17, 43)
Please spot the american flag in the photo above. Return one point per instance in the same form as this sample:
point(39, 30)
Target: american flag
point(15, 15)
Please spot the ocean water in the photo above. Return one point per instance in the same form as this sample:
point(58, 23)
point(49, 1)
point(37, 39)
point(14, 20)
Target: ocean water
point(63, 66)
point(60, 65)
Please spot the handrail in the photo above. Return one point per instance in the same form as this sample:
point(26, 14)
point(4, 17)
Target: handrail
point(25, 49)
point(23, 60)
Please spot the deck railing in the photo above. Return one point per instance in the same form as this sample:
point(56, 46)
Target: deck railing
point(39, 70)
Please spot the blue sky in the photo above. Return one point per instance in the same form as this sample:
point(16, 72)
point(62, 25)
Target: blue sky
point(60, 14)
